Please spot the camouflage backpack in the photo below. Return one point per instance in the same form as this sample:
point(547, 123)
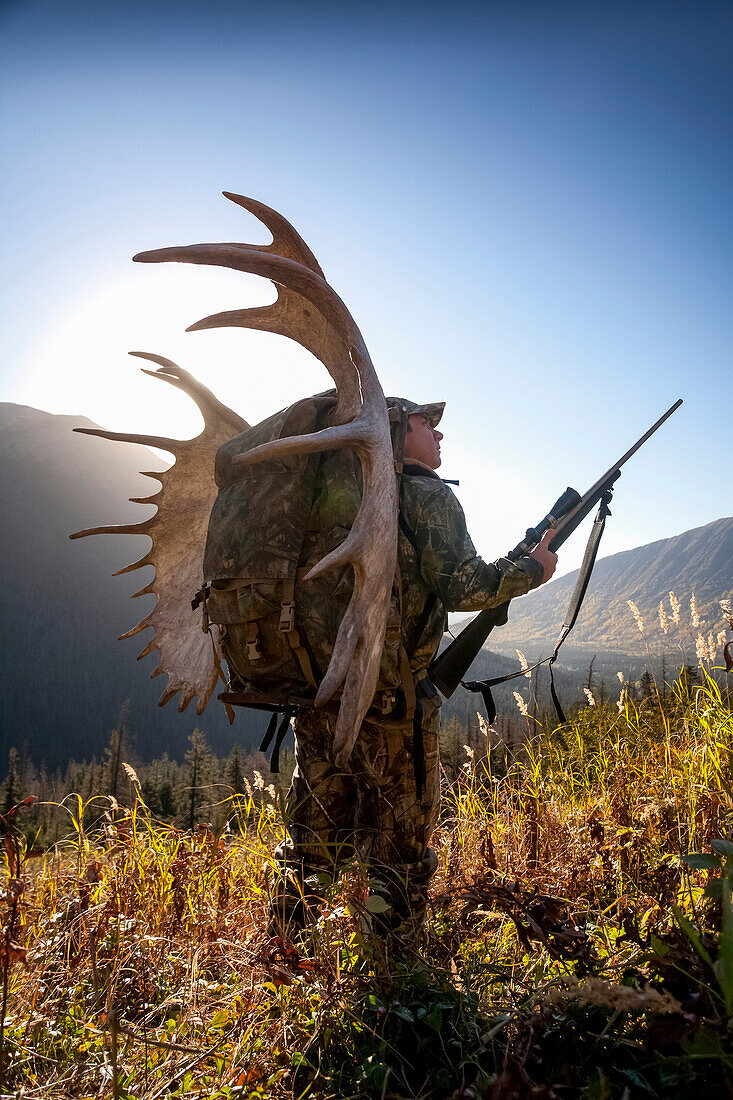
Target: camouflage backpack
point(269, 525)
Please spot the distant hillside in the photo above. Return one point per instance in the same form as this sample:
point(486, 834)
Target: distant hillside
point(575, 669)
point(698, 561)
point(66, 678)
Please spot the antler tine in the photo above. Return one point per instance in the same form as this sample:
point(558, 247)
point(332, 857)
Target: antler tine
point(286, 241)
point(144, 624)
point(162, 442)
point(144, 560)
point(289, 315)
point(176, 376)
point(360, 434)
point(177, 530)
point(280, 269)
point(326, 331)
point(293, 316)
point(141, 528)
point(371, 548)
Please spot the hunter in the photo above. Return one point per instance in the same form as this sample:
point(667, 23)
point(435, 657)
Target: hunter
point(385, 806)
point(326, 581)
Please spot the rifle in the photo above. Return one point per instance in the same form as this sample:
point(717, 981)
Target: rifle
point(568, 511)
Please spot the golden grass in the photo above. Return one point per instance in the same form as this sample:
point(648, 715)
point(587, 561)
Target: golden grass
point(150, 970)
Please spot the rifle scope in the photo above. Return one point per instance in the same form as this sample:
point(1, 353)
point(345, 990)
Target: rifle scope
point(564, 504)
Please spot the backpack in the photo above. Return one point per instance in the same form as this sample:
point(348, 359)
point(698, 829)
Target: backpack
point(269, 524)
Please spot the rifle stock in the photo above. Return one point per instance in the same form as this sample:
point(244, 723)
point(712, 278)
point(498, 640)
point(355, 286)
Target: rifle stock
point(568, 512)
point(450, 666)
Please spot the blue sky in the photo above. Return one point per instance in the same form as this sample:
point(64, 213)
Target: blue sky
point(525, 205)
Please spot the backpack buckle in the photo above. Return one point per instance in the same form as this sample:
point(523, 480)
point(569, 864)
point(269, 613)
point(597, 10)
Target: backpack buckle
point(287, 617)
point(252, 641)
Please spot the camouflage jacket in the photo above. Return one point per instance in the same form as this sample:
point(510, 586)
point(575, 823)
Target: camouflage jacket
point(440, 568)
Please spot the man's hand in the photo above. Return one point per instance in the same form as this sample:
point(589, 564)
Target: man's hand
point(545, 557)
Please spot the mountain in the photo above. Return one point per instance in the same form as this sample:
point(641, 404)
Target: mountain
point(698, 562)
point(66, 678)
point(606, 640)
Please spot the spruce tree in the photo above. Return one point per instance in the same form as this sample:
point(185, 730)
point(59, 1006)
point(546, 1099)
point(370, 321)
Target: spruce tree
point(198, 774)
point(233, 775)
point(646, 683)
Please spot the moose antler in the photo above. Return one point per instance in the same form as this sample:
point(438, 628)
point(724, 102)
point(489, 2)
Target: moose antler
point(291, 314)
point(310, 312)
point(188, 655)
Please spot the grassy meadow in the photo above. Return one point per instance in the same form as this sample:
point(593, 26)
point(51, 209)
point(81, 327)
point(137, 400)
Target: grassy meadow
point(579, 940)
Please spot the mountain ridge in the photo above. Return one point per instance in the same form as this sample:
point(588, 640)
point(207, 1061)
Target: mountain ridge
point(67, 678)
point(696, 562)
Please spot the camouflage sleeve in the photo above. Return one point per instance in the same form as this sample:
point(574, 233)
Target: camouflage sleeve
point(451, 567)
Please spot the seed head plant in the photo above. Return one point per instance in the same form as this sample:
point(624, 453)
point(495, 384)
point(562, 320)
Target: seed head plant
point(579, 938)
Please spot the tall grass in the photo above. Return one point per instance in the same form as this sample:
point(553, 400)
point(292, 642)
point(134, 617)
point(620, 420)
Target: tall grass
point(578, 942)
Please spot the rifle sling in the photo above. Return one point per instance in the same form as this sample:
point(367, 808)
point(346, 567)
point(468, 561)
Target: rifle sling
point(282, 730)
point(576, 600)
point(285, 715)
point(581, 587)
point(270, 732)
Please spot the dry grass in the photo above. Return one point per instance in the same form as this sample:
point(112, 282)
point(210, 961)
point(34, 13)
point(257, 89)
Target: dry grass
point(565, 926)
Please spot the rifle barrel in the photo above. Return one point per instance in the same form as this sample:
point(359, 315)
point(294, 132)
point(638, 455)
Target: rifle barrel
point(450, 667)
point(632, 450)
point(571, 520)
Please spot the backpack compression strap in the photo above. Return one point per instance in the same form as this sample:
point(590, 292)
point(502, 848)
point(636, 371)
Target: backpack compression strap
point(288, 628)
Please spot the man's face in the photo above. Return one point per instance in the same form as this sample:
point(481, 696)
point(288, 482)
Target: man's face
point(422, 442)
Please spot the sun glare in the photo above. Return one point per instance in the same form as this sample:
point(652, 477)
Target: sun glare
point(81, 366)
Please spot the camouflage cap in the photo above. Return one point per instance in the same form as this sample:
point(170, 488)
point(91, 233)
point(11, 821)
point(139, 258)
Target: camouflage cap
point(432, 411)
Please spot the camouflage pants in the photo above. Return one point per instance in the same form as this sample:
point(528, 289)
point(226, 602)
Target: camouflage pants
point(370, 810)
